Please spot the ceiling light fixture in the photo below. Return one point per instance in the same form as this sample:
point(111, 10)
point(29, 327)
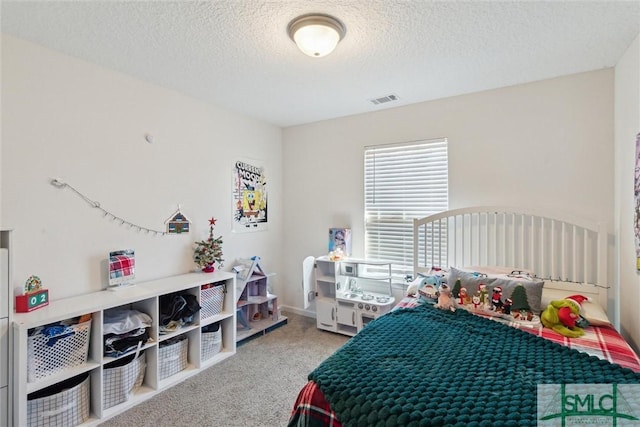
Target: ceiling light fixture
point(316, 34)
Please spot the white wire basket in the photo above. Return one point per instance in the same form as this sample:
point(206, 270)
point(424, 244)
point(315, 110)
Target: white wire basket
point(212, 299)
point(55, 352)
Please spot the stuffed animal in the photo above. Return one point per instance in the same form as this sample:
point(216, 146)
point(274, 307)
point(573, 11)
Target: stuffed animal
point(445, 301)
point(421, 282)
point(563, 316)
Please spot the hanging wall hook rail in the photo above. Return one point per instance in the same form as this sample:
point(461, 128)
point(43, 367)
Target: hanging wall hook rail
point(95, 204)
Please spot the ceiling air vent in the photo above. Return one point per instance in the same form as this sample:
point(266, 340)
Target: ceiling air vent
point(384, 99)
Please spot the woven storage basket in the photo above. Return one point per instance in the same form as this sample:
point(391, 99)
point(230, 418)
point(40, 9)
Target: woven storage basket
point(64, 404)
point(212, 299)
point(122, 378)
point(211, 343)
point(172, 357)
point(50, 354)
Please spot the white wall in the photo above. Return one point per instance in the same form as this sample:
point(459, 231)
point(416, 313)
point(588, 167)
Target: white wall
point(627, 126)
point(65, 118)
point(548, 143)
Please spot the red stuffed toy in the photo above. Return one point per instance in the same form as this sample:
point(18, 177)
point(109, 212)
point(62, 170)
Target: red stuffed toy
point(563, 316)
point(567, 315)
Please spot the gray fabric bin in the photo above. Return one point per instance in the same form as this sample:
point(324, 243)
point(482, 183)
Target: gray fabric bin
point(122, 380)
point(172, 356)
point(64, 404)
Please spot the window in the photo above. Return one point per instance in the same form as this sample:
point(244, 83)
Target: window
point(402, 182)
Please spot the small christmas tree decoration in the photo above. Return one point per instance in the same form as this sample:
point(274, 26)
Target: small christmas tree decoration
point(519, 298)
point(456, 289)
point(208, 252)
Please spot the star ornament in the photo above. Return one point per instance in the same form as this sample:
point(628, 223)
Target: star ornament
point(212, 221)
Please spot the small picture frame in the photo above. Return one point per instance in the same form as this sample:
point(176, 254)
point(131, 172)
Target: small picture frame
point(340, 238)
point(122, 267)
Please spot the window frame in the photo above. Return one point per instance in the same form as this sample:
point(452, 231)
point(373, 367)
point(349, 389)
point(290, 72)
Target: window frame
point(402, 181)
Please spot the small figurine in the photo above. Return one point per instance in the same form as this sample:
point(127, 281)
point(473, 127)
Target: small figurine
point(523, 314)
point(506, 307)
point(445, 302)
point(337, 254)
point(496, 299)
point(455, 291)
point(484, 294)
point(32, 285)
point(475, 300)
point(463, 297)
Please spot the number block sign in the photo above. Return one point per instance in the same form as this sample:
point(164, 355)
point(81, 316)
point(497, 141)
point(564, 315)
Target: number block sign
point(32, 301)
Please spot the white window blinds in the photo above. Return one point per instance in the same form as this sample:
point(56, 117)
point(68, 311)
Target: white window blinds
point(402, 182)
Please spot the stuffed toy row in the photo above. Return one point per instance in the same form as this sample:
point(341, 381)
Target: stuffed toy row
point(562, 316)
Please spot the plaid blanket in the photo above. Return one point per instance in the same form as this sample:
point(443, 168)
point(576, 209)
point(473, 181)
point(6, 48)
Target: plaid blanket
point(312, 408)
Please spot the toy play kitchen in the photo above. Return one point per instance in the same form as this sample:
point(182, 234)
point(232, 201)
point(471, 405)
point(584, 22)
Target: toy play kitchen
point(363, 287)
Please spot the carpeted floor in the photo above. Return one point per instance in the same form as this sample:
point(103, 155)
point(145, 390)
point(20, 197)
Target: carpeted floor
point(256, 387)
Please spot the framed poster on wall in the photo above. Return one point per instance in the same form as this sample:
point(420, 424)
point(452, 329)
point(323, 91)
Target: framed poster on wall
point(249, 196)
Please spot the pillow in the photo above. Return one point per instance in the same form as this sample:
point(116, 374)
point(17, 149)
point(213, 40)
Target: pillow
point(591, 310)
point(471, 281)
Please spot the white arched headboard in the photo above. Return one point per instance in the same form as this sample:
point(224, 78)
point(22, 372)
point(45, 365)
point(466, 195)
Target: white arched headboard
point(555, 248)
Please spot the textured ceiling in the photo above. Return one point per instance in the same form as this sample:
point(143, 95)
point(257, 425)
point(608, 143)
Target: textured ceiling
point(236, 53)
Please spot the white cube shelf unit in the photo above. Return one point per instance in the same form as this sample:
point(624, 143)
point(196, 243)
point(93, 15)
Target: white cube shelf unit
point(5, 281)
point(144, 297)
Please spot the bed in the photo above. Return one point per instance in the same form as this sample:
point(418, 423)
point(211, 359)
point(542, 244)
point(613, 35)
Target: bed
point(419, 365)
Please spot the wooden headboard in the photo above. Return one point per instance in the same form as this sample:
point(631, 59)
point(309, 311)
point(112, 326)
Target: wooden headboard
point(555, 248)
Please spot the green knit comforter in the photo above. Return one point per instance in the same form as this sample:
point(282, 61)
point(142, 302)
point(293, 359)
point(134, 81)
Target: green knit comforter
point(424, 366)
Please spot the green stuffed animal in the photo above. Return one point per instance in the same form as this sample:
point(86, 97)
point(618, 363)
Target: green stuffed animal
point(563, 316)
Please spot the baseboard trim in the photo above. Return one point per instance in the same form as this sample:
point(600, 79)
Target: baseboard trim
point(299, 311)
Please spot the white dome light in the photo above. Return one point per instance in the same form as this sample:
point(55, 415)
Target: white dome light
point(316, 35)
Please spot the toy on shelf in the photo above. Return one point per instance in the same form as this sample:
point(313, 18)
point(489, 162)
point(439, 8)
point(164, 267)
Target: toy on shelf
point(208, 252)
point(254, 300)
point(336, 254)
point(122, 268)
point(340, 238)
point(34, 296)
